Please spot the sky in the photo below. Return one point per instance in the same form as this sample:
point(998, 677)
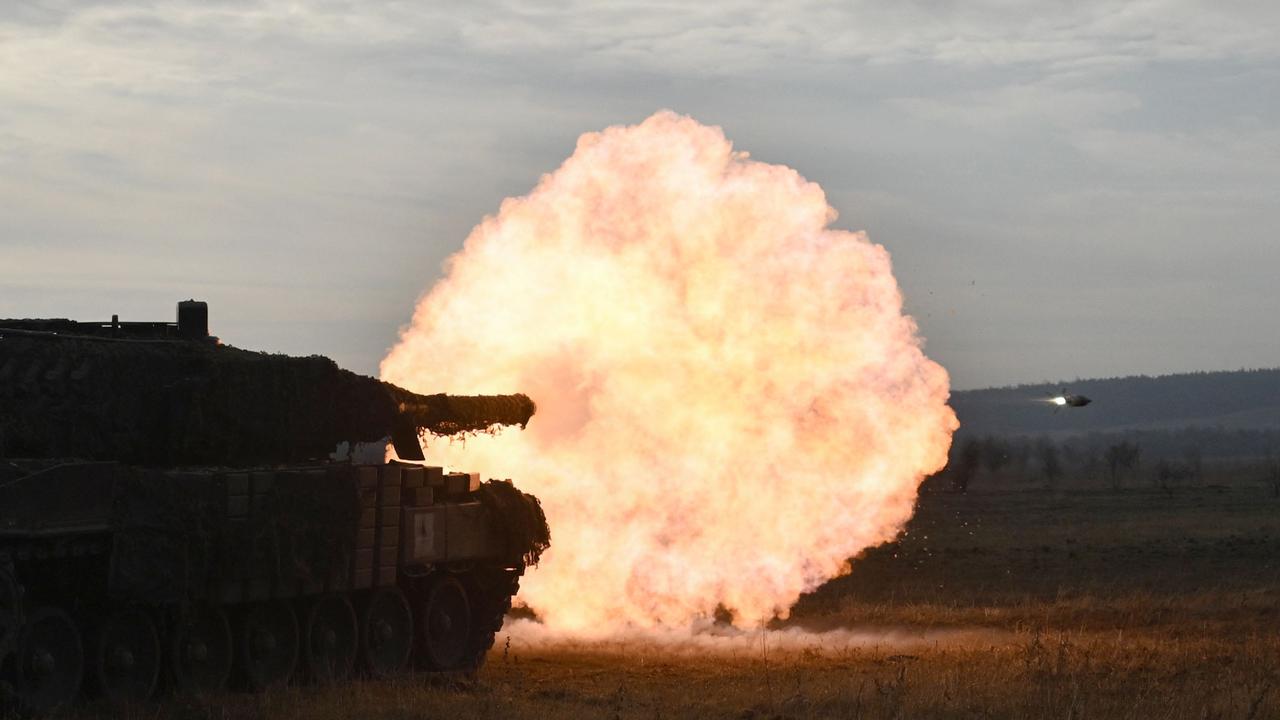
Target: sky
point(1068, 189)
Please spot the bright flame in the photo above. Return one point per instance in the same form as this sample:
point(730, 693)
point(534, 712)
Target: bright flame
point(1060, 400)
point(730, 400)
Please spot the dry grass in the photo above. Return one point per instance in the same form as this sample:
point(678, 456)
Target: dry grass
point(1025, 675)
point(1007, 605)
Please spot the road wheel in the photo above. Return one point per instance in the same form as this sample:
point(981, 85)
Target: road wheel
point(268, 644)
point(490, 591)
point(49, 664)
point(444, 625)
point(331, 639)
point(126, 657)
point(386, 632)
point(10, 610)
point(202, 652)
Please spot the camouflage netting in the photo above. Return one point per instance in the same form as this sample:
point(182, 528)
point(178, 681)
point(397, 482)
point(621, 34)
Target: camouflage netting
point(10, 609)
point(453, 414)
point(158, 402)
point(167, 532)
point(172, 536)
point(522, 520)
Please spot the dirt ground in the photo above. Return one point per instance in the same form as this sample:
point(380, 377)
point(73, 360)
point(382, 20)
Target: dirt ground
point(1010, 604)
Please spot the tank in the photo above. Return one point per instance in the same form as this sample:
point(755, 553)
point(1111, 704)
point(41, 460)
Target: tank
point(179, 513)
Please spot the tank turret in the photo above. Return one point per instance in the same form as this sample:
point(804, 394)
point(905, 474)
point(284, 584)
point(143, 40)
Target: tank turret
point(168, 394)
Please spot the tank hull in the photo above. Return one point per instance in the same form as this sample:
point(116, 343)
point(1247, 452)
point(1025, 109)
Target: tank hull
point(92, 539)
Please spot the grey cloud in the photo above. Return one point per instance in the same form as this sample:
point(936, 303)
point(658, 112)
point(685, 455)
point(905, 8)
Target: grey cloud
point(1040, 104)
point(1046, 175)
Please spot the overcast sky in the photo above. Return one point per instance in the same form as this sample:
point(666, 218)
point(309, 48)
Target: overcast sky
point(1068, 189)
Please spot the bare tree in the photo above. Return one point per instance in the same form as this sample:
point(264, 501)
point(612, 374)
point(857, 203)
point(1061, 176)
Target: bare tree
point(1168, 473)
point(1194, 459)
point(1122, 457)
point(995, 454)
point(1050, 461)
point(1092, 465)
point(1115, 461)
point(1019, 457)
point(966, 465)
point(1271, 473)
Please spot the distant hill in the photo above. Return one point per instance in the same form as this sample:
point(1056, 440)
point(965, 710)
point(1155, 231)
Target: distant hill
point(1243, 399)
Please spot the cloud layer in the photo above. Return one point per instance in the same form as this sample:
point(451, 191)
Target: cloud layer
point(1068, 189)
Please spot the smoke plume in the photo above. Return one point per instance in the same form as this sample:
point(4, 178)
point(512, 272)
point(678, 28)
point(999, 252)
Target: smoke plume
point(731, 402)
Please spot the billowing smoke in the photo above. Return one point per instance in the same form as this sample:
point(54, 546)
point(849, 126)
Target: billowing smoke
point(730, 400)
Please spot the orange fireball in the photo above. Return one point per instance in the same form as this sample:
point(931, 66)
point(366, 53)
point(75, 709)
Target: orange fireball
point(731, 402)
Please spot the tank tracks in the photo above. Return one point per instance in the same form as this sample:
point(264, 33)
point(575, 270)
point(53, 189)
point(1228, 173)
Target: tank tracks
point(52, 654)
point(492, 610)
point(11, 620)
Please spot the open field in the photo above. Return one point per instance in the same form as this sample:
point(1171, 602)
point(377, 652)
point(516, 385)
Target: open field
point(1002, 604)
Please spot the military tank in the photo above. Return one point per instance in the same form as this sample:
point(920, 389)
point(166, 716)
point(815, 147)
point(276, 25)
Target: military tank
point(178, 513)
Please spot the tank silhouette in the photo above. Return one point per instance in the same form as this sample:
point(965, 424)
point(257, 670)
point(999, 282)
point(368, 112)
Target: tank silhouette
point(177, 512)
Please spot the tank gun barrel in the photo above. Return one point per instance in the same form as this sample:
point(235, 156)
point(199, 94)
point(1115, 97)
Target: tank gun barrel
point(451, 414)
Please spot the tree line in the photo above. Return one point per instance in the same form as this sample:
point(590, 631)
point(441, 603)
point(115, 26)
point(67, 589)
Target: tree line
point(1164, 459)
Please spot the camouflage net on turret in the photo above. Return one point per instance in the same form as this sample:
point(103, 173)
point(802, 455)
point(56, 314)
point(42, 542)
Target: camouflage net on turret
point(522, 520)
point(156, 402)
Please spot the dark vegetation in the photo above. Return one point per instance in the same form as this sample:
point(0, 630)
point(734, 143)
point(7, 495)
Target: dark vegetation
point(1162, 459)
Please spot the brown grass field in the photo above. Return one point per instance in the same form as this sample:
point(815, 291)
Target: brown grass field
point(999, 604)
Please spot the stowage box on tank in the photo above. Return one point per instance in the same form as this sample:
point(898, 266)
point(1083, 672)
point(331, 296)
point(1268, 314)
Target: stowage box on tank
point(169, 509)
